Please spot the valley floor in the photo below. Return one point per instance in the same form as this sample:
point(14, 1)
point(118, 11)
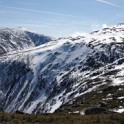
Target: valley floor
point(6, 118)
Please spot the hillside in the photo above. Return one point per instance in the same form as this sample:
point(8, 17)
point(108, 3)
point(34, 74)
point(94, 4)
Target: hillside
point(65, 75)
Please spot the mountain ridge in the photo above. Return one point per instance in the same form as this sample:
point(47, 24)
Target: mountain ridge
point(19, 39)
point(44, 78)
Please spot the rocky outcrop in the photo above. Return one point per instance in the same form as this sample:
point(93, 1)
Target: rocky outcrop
point(95, 111)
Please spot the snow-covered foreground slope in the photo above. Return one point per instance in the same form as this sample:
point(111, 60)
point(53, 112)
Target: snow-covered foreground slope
point(41, 79)
point(18, 39)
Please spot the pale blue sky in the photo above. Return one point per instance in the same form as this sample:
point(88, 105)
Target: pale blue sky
point(61, 17)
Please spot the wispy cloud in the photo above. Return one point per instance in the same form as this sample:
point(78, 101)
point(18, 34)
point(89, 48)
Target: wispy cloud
point(37, 11)
point(109, 3)
point(77, 33)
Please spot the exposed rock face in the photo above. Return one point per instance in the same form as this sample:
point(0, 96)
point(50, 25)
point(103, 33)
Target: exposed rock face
point(43, 78)
point(18, 39)
point(38, 39)
point(94, 111)
point(19, 112)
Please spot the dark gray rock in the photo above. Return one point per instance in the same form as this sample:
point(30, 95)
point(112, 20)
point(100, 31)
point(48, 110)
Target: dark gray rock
point(95, 111)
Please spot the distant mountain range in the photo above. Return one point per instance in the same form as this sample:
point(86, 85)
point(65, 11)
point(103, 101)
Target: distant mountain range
point(40, 74)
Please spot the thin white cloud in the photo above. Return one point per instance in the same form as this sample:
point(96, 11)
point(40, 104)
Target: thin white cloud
point(98, 26)
point(79, 34)
point(37, 11)
point(104, 26)
point(109, 3)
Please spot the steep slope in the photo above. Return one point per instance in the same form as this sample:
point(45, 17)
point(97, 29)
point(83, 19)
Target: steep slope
point(18, 39)
point(41, 79)
point(38, 39)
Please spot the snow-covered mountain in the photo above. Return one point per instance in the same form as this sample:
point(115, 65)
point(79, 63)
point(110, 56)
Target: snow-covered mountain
point(18, 39)
point(47, 77)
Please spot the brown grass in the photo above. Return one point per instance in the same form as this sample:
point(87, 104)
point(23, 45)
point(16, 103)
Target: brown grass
point(6, 118)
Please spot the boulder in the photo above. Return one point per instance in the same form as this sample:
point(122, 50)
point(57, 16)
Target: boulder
point(19, 112)
point(95, 110)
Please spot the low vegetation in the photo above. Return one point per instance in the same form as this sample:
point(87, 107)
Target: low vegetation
point(6, 118)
